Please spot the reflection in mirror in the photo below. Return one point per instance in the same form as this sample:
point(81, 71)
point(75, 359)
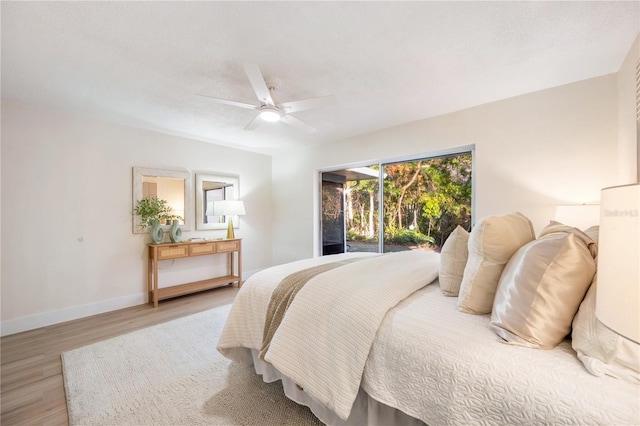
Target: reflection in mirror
point(172, 186)
point(216, 191)
point(210, 188)
point(166, 188)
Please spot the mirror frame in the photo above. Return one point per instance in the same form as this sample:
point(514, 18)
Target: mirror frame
point(201, 177)
point(139, 172)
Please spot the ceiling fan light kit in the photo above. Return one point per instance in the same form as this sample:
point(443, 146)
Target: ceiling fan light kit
point(270, 114)
point(269, 109)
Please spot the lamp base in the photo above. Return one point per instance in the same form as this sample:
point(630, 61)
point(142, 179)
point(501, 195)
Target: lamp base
point(230, 234)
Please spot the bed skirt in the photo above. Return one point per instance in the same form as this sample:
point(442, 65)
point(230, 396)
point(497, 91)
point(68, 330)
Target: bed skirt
point(365, 411)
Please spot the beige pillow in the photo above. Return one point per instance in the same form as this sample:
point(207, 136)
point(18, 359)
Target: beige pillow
point(593, 232)
point(491, 243)
point(453, 258)
point(542, 286)
point(601, 350)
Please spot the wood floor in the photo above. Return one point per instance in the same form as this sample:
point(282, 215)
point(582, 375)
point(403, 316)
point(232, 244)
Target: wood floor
point(31, 375)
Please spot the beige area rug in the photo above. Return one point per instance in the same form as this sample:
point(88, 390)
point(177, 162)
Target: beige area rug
point(171, 374)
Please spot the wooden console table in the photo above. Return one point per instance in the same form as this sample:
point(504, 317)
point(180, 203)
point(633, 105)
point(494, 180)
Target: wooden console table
point(159, 252)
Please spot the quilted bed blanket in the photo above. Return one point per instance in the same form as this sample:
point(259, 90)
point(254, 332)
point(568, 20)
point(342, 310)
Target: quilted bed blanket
point(324, 339)
point(435, 363)
point(245, 325)
point(286, 292)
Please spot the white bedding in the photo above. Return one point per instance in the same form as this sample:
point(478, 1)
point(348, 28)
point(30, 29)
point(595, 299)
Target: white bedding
point(446, 367)
point(337, 315)
point(245, 324)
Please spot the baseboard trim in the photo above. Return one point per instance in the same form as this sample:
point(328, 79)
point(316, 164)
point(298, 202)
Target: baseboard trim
point(32, 322)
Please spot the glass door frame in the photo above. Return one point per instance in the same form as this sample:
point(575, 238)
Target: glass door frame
point(446, 152)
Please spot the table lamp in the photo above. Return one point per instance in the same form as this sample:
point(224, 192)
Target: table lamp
point(618, 291)
point(229, 208)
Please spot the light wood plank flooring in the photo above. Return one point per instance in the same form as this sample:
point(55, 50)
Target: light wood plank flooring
point(31, 375)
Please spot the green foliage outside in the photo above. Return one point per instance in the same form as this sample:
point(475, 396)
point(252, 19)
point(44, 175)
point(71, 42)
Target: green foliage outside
point(352, 235)
point(406, 237)
point(423, 202)
point(153, 210)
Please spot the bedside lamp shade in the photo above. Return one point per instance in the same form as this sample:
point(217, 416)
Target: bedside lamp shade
point(229, 208)
point(618, 291)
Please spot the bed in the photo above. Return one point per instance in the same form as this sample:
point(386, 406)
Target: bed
point(386, 346)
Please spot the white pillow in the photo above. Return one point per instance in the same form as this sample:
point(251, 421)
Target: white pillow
point(542, 286)
point(453, 258)
point(601, 350)
point(491, 243)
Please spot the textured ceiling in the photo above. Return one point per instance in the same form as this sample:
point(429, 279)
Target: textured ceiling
point(388, 63)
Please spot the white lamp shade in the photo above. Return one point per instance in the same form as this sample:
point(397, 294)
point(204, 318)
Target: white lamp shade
point(228, 208)
point(618, 291)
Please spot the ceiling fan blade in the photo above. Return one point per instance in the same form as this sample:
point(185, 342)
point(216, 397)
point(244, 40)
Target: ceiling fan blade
point(296, 106)
point(292, 121)
point(227, 102)
point(257, 82)
point(254, 123)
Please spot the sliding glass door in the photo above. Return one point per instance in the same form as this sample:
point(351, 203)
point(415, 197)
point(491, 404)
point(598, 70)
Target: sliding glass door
point(333, 229)
point(362, 219)
point(422, 200)
point(350, 219)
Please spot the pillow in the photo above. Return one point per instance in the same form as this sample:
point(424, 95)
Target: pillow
point(491, 243)
point(542, 286)
point(601, 350)
point(453, 258)
point(593, 232)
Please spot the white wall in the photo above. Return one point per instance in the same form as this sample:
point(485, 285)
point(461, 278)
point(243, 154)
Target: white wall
point(66, 179)
point(533, 152)
point(628, 142)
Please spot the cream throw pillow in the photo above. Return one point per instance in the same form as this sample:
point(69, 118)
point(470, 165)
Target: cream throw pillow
point(593, 232)
point(601, 350)
point(453, 258)
point(542, 286)
point(491, 243)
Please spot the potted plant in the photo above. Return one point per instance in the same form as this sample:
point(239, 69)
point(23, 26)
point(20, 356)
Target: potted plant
point(152, 211)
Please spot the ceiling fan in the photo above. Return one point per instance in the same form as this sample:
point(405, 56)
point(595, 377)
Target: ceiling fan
point(270, 109)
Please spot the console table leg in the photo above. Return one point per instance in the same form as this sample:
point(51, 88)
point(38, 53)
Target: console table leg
point(232, 269)
point(239, 264)
point(155, 283)
point(150, 278)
